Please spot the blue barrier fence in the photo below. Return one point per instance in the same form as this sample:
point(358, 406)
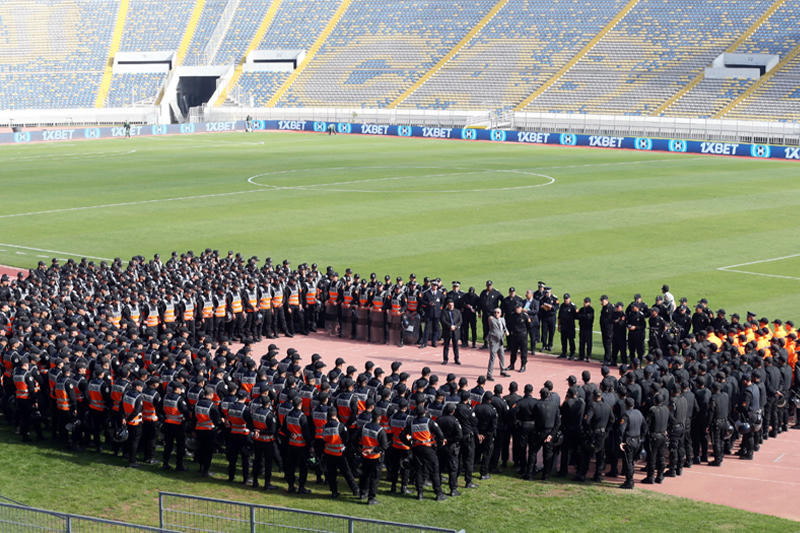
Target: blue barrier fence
point(763, 151)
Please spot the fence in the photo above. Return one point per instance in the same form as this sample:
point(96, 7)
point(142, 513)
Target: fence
point(195, 514)
point(21, 519)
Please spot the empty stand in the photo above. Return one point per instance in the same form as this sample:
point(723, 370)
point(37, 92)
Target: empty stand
point(260, 85)
point(655, 50)
point(134, 88)
point(522, 46)
point(155, 25)
point(380, 48)
point(49, 90)
point(708, 97)
point(246, 20)
point(297, 24)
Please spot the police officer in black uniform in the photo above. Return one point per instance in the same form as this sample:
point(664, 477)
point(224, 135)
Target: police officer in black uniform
point(546, 423)
point(631, 431)
point(606, 328)
point(658, 421)
point(547, 316)
point(567, 314)
point(586, 323)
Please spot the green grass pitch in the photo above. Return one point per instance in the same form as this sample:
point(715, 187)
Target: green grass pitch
point(586, 221)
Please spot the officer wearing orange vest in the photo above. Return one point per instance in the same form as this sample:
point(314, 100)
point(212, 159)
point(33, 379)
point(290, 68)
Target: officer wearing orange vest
point(296, 318)
point(295, 426)
point(424, 435)
point(26, 388)
point(236, 312)
point(66, 405)
point(240, 423)
point(205, 421)
point(176, 413)
point(336, 438)
point(150, 316)
point(265, 308)
point(151, 409)
point(373, 442)
point(132, 404)
point(311, 294)
point(264, 428)
point(99, 392)
point(189, 313)
point(168, 311)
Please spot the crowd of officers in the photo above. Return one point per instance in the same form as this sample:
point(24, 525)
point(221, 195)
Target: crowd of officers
point(81, 359)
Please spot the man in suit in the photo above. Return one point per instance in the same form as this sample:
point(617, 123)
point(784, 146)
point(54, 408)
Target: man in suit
point(431, 304)
point(451, 330)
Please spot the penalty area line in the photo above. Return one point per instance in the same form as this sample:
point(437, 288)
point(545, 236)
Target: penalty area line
point(735, 268)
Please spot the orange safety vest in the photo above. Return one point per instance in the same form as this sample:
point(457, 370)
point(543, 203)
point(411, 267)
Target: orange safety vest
point(116, 316)
point(236, 418)
point(277, 298)
point(23, 393)
point(294, 296)
point(169, 312)
point(236, 303)
point(172, 414)
point(396, 309)
point(221, 309)
point(398, 424)
point(296, 437)
point(421, 433)
point(333, 439)
point(188, 311)
point(266, 300)
point(152, 317)
point(412, 303)
point(62, 398)
point(369, 439)
point(311, 296)
point(208, 308)
point(260, 424)
point(320, 417)
point(377, 303)
point(117, 391)
point(333, 295)
point(343, 406)
point(202, 416)
point(129, 406)
point(148, 409)
point(96, 400)
point(135, 313)
point(252, 299)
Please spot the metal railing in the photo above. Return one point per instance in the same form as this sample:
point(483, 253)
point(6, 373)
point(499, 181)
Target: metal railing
point(18, 518)
point(220, 30)
point(196, 514)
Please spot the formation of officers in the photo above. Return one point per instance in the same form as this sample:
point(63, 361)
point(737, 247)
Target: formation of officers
point(115, 356)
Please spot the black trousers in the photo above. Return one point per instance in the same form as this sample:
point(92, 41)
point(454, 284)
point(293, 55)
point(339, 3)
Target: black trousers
point(234, 449)
point(500, 447)
point(677, 452)
point(431, 331)
point(485, 323)
point(540, 441)
point(518, 342)
point(337, 464)
point(533, 335)
point(632, 448)
point(527, 451)
point(483, 453)
point(656, 454)
point(174, 434)
point(370, 476)
point(296, 463)
point(427, 467)
point(567, 341)
point(700, 439)
point(279, 321)
point(24, 411)
point(267, 323)
point(619, 348)
point(394, 457)
point(205, 448)
point(469, 324)
point(263, 454)
point(311, 317)
point(585, 344)
point(569, 449)
point(717, 430)
point(448, 463)
point(548, 331)
point(449, 337)
point(251, 326)
point(636, 343)
point(595, 447)
point(607, 334)
point(98, 425)
point(149, 435)
point(134, 436)
point(468, 457)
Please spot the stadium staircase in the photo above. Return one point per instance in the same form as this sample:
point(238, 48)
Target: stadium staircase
point(706, 95)
point(443, 61)
point(197, 12)
point(259, 35)
point(580, 55)
point(119, 27)
point(337, 16)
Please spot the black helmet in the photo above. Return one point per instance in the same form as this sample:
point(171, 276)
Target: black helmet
point(121, 435)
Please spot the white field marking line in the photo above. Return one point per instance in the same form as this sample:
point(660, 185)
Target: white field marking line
point(271, 187)
point(779, 458)
point(122, 204)
point(733, 268)
point(67, 254)
point(64, 157)
point(215, 141)
point(701, 473)
point(478, 171)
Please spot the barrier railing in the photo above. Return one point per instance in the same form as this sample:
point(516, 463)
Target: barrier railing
point(30, 520)
point(196, 514)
